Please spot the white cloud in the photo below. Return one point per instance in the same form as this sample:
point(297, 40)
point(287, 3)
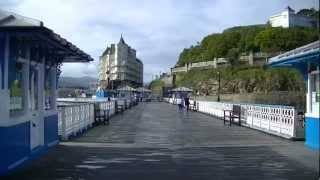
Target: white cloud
point(158, 30)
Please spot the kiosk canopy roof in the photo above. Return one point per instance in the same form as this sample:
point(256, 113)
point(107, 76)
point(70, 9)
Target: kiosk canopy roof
point(20, 26)
point(298, 57)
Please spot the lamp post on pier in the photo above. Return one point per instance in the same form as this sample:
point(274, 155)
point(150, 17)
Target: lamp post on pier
point(218, 86)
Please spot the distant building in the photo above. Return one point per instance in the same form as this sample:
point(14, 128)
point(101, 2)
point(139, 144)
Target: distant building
point(288, 18)
point(167, 79)
point(119, 66)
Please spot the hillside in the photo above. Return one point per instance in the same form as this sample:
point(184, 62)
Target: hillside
point(76, 82)
point(242, 80)
point(258, 38)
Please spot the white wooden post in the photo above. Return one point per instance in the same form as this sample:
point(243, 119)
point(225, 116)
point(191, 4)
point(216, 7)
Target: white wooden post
point(63, 124)
point(53, 74)
point(26, 94)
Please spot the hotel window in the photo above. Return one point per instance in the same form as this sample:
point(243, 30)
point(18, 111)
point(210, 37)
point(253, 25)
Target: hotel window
point(16, 86)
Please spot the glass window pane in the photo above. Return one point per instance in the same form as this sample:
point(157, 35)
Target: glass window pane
point(16, 88)
point(315, 92)
point(33, 88)
point(48, 89)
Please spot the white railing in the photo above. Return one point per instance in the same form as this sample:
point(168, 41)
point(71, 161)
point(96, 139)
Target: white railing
point(74, 118)
point(108, 105)
point(278, 120)
point(122, 102)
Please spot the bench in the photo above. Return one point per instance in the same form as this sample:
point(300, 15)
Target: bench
point(119, 107)
point(230, 115)
point(102, 116)
point(194, 106)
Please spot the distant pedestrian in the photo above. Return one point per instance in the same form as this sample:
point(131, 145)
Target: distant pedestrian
point(187, 103)
point(180, 104)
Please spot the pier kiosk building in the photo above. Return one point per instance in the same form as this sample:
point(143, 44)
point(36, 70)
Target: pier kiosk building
point(30, 59)
point(306, 59)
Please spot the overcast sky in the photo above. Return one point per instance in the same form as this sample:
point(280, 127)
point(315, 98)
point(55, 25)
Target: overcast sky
point(158, 30)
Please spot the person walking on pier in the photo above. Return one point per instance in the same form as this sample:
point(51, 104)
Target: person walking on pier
point(180, 105)
point(187, 102)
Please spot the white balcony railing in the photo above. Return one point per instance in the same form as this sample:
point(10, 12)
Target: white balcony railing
point(278, 120)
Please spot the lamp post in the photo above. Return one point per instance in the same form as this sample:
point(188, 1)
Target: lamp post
point(218, 86)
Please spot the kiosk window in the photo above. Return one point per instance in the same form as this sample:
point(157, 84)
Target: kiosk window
point(33, 88)
point(315, 82)
point(48, 89)
point(17, 88)
point(315, 91)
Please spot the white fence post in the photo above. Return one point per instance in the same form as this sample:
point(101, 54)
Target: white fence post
point(63, 124)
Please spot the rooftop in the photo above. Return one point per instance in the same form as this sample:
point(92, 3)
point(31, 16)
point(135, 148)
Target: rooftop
point(35, 30)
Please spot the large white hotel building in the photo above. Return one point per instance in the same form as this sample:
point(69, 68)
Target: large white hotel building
point(119, 66)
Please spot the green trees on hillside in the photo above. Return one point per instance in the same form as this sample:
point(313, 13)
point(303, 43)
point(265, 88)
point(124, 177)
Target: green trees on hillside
point(231, 43)
point(284, 39)
point(243, 80)
point(309, 12)
point(156, 86)
point(255, 38)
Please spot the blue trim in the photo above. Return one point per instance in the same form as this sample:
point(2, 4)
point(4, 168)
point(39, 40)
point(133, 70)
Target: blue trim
point(15, 150)
point(15, 145)
point(51, 130)
point(313, 133)
point(308, 56)
point(299, 62)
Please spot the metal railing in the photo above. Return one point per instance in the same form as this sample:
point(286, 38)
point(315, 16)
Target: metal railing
point(273, 119)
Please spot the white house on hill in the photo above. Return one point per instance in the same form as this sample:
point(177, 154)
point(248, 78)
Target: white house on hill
point(288, 18)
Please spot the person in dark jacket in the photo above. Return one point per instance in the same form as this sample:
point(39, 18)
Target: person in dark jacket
point(187, 103)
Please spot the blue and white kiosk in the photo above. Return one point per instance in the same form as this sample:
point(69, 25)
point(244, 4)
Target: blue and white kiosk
point(30, 59)
point(306, 59)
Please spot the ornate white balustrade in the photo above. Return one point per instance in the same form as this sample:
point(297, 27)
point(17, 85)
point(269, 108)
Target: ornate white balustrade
point(109, 105)
point(74, 118)
point(77, 115)
point(278, 120)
